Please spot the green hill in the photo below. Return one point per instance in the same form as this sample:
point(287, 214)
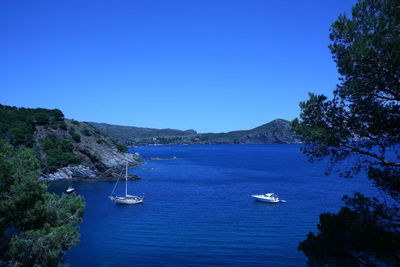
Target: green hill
point(275, 132)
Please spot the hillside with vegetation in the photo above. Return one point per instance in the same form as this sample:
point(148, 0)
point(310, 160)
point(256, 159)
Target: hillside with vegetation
point(58, 142)
point(275, 132)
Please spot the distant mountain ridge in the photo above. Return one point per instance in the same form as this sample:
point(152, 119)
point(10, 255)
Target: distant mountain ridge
point(125, 132)
point(277, 131)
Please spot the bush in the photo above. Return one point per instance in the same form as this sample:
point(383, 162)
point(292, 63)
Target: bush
point(76, 137)
point(94, 128)
point(85, 131)
point(41, 119)
point(71, 130)
point(62, 125)
point(97, 131)
point(57, 114)
point(121, 148)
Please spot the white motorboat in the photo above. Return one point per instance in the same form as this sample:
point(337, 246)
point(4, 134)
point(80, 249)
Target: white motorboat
point(70, 190)
point(269, 198)
point(127, 199)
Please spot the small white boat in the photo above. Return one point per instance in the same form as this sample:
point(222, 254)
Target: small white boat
point(127, 199)
point(70, 190)
point(269, 198)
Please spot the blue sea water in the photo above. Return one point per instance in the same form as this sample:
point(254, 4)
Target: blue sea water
point(198, 210)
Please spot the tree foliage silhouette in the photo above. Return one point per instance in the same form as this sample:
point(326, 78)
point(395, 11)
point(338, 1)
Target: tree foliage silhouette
point(361, 125)
point(36, 226)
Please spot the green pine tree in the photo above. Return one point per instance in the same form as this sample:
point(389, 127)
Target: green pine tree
point(36, 227)
point(360, 125)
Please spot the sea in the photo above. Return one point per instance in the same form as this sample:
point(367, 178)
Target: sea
point(198, 209)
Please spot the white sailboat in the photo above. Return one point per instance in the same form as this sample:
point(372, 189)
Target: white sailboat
point(127, 199)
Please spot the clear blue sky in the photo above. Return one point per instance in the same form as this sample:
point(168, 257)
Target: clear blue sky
point(208, 65)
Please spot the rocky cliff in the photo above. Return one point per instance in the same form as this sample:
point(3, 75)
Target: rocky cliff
point(96, 152)
point(67, 149)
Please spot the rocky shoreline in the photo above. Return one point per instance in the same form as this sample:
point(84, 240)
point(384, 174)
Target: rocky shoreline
point(84, 173)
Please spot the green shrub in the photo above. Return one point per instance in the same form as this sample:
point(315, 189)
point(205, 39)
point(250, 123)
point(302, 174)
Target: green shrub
point(76, 137)
point(85, 131)
point(58, 115)
point(62, 125)
point(97, 131)
point(121, 148)
point(71, 130)
point(41, 119)
point(94, 128)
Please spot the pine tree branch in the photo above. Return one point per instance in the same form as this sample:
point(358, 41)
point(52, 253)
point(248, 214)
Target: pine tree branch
point(382, 159)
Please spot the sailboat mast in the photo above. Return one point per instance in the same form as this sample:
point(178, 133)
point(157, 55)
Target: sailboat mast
point(126, 180)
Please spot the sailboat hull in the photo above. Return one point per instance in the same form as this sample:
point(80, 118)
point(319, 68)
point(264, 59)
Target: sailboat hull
point(128, 201)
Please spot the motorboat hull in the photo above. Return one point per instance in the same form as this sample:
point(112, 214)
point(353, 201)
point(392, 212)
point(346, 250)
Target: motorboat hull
point(70, 190)
point(268, 198)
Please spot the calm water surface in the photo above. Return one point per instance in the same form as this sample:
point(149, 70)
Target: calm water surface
point(198, 210)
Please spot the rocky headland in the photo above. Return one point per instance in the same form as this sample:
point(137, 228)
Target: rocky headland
point(101, 157)
point(67, 149)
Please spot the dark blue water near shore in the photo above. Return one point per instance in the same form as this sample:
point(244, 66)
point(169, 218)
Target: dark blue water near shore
point(198, 210)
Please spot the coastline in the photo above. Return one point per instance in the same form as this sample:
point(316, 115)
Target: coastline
point(131, 177)
point(212, 144)
point(85, 173)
